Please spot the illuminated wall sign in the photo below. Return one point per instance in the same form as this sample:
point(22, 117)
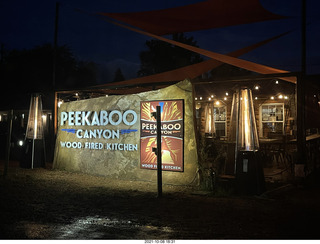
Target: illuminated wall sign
point(88, 119)
point(110, 136)
point(172, 130)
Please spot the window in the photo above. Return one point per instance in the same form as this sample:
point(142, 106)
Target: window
point(272, 119)
point(220, 117)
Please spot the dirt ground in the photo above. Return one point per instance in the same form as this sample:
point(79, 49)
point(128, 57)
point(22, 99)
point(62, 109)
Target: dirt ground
point(50, 204)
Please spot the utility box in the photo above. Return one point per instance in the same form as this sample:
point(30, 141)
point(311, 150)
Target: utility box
point(249, 173)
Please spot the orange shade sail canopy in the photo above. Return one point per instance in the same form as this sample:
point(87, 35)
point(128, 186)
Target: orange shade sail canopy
point(190, 71)
point(199, 16)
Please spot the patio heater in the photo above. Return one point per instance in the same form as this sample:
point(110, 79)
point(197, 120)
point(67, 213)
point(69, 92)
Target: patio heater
point(35, 150)
point(248, 165)
point(209, 126)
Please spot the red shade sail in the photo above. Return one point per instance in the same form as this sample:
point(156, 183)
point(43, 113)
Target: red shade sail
point(199, 16)
point(190, 71)
point(255, 67)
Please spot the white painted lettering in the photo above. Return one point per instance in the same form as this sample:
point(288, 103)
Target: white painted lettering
point(71, 118)
point(111, 119)
point(95, 119)
point(103, 117)
point(77, 120)
point(85, 118)
point(134, 119)
point(79, 133)
point(64, 117)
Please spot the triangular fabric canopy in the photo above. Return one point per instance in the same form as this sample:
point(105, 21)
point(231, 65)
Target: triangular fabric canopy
point(190, 71)
point(199, 16)
point(244, 64)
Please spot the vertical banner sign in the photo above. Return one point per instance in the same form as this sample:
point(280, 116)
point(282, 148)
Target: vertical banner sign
point(172, 131)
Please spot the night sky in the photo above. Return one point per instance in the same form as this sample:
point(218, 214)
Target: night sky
point(26, 24)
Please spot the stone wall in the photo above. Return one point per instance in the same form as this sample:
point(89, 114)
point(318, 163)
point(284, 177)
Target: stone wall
point(119, 162)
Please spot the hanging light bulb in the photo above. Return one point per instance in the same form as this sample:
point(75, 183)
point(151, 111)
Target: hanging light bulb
point(60, 102)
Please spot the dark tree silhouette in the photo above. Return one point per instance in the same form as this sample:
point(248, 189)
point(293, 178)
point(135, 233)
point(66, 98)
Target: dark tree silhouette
point(31, 70)
point(23, 72)
point(118, 75)
point(162, 56)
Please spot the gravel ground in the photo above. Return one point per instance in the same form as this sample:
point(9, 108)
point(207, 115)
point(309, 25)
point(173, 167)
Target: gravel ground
point(50, 204)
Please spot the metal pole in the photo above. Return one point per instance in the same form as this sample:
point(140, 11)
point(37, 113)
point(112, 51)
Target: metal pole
point(55, 114)
point(32, 154)
point(301, 132)
point(55, 45)
point(159, 152)
point(303, 37)
point(6, 163)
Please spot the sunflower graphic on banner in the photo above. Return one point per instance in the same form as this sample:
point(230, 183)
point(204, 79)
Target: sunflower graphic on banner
point(172, 134)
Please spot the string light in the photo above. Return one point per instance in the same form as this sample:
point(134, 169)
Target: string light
point(60, 102)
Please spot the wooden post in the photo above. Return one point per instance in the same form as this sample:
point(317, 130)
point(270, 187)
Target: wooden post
point(301, 130)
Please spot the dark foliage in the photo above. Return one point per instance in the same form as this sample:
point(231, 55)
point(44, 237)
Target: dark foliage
point(118, 76)
point(162, 56)
point(23, 72)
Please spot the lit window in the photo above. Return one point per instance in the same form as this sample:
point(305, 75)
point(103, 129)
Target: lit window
point(220, 117)
point(272, 119)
